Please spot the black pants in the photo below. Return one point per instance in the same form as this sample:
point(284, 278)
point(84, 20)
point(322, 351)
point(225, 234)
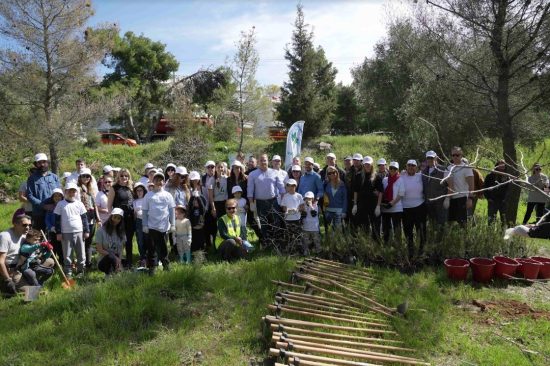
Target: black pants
point(539, 211)
point(107, 264)
point(157, 245)
point(197, 239)
point(210, 229)
point(541, 231)
point(39, 221)
point(37, 275)
point(414, 218)
point(368, 221)
point(494, 207)
point(230, 250)
point(251, 220)
point(130, 229)
point(458, 211)
point(391, 221)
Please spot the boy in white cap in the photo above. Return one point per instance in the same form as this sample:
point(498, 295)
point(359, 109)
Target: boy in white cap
point(158, 217)
point(71, 226)
point(310, 225)
point(242, 208)
point(292, 205)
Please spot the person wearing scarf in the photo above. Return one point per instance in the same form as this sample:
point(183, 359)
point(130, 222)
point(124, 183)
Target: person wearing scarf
point(392, 208)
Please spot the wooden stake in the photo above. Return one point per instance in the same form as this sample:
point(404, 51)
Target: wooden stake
point(286, 284)
point(321, 299)
point(286, 321)
point(335, 283)
point(304, 356)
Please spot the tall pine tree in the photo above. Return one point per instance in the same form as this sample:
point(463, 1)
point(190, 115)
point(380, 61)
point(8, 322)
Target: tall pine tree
point(310, 93)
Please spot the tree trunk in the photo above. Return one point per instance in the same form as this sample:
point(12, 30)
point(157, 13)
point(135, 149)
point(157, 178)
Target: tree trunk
point(132, 126)
point(54, 158)
point(242, 136)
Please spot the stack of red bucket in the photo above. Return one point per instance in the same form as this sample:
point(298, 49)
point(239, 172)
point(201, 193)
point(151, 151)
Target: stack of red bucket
point(485, 269)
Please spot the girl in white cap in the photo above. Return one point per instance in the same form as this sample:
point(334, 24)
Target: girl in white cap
point(110, 239)
point(292, 205)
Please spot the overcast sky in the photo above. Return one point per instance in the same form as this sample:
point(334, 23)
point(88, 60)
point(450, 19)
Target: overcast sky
point(203, 34)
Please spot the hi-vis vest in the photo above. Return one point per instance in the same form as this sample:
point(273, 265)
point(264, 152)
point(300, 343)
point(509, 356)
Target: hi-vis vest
point(232, 231)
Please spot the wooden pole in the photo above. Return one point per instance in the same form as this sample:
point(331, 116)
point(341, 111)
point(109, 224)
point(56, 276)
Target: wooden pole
point(330, 277)
point(340, 271)
point(335, 283)
point(317, 314)
point(304, 356)
point(286, 321)
point(290, 335)
point(286, 284)
point(321, 300)
point(295, 341)
point(363, 356)
point(291, 329)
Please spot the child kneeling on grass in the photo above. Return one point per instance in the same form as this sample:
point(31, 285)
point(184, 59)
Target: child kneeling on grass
point(183, 235)
point(310, 225)
point(35, 263)
point(71, 226)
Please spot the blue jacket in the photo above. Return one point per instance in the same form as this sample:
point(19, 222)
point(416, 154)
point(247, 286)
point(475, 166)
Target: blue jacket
point(340, 199)
point(39, 189)
point(311, 182)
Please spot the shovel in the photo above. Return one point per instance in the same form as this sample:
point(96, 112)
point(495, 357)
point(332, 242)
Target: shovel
point(68, 283)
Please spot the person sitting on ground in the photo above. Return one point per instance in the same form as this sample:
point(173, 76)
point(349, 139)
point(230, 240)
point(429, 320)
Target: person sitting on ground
point(110, 239)
point(540, 230)
point(183, 235)
point(310, 225)
point(35, 263)
point(233, 246)
point(10, 243)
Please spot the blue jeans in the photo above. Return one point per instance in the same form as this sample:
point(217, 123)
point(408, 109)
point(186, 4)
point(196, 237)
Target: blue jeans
point(140, 239)
point(334, 219)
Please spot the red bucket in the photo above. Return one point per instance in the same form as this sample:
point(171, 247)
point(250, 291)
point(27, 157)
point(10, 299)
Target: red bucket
point(482, 269)
point(457, 269)
point(505, 266)
point(529, 268)
point(544, 271)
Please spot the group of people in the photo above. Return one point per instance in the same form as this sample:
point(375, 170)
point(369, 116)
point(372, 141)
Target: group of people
point(187, 211)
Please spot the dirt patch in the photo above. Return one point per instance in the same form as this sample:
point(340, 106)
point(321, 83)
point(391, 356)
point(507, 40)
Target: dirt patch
point(511, 309)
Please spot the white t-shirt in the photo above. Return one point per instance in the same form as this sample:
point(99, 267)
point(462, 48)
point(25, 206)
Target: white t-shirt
point(70, 212)
point(101, 200)
point(292, 202)
point(241, 210)
point(109, 242)
point(459, 173)
point(414, 190)
point(398, 189)
point(311, 223)
point(158, 205)
point(220, 193)
point(10, 244)
point(137, 204)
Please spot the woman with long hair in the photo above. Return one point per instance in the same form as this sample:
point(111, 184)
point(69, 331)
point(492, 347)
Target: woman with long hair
point(392, 208)
point(87, 192)
point(109, 241)
point(183, 192)
point(139, 193)
point(121, 196)
point(367, 197)
point(335, 200)
point(217, 194)
point(196, 209)
point(237, 178)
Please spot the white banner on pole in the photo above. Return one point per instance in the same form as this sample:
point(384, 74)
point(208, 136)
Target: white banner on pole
point(294, 142)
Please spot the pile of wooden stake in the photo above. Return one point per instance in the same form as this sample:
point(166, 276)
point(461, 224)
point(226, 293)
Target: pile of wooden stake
point(328, 316)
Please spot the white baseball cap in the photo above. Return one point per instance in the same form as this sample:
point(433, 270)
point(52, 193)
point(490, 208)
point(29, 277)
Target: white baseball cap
point(236, 189)
point(309, 159)
point(348, 158)
point(431, 154)
point(159, 174)
point(357, 156)
point(381, 161)
point(139, 184)
point(368, 160)
point(148, 166)
point(40, 157)
point(85, 171)
point(296, 168)
point(208, 163)
point(394, 164)
point(57, 190)
point(117, 211)
point(237, 163)
point(412, 162)
point(71, 185)
point(181, 170)
point(309, 194)
point(170, 165)
point(316, 165)
point(331, 155)
point(276, 157)
point(194, 175)
point(291, 182)
point(66, 175)
point(107, 169)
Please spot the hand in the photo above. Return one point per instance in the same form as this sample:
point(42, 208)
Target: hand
point(446, 203)
point(145, 229)
point(387, 205)
point(86, 235)
point(469, 203)
point(354, 210)
point(253, 206)
point(52, 230)
point(239, 240)
point(172, 228)
point(213, 213)
point(59, 237)
point(10, 286)
point(99, 223)
point(377, 211)
point(343, 215)
point(47, 245)
point(118, 265)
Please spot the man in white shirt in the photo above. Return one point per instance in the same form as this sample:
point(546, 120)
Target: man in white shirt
point(158, 218)
point(10, 243)
point(414, 208)
point(460, 184)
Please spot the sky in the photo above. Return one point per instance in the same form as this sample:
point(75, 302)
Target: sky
point(203, 34)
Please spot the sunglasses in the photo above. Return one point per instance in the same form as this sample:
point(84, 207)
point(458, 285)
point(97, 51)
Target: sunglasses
point(85, 177)
point(331, 173)
point(456, 154)
point(109, 182)
point(170, 170)
point(26, 225)
point(231, 208)
point(210, 167)
point(538, 169)
point(392, 168)
point(124, 176)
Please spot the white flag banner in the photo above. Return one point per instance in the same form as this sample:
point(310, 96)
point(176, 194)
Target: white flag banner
point(293, 142)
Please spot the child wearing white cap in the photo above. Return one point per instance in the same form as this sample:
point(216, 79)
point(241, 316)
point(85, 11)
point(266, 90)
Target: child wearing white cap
point(310, 225)
point(242, 208)
point(292, 205)
point(71, 226)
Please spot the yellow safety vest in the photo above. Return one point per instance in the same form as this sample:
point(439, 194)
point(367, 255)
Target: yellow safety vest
point(232, 230)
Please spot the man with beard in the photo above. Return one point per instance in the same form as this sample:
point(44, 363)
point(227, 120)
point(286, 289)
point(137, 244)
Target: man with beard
point(40, 186)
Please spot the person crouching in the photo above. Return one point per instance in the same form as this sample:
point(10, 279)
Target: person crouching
point(110, 239)
point(233, 246)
